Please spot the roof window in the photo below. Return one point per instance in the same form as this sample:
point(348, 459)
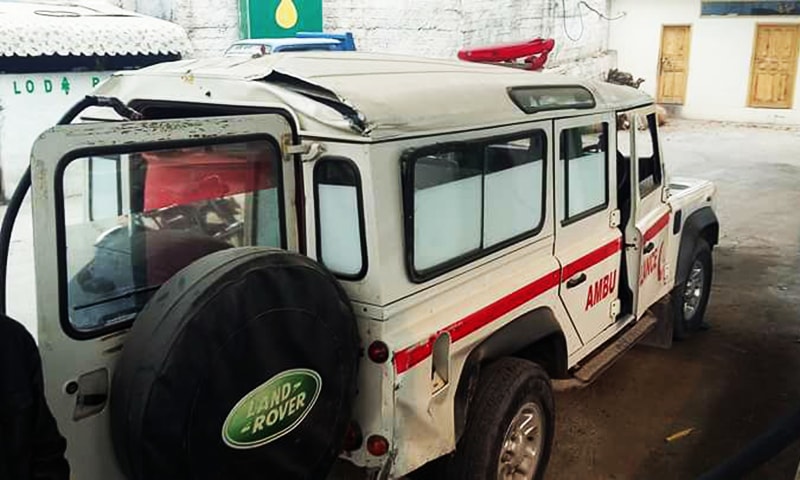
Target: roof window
point(540, 99)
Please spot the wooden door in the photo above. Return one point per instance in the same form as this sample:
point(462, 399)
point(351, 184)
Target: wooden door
point(673, 66)
point(774, 66)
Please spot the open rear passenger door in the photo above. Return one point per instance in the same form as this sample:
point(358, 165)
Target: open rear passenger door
point(588, 240)
point(118, 209)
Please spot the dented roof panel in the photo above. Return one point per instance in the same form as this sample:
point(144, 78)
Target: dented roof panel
point(375, 96)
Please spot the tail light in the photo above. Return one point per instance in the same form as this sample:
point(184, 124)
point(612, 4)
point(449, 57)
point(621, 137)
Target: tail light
point(378, 352)
point(377, 445)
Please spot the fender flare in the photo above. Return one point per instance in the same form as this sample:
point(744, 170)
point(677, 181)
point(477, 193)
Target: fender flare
point(693, 228)
point(517, 335)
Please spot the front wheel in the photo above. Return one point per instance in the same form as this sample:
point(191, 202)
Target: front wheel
point(690, 297)
point(510, 425)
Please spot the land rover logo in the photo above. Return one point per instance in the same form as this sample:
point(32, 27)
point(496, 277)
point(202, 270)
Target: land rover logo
point(272, 409)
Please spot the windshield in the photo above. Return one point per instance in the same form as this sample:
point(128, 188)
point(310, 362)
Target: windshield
point(247, 50)
point(134, 220)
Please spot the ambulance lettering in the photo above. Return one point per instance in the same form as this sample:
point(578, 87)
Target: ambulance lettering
point(653, 263)
point(601, 289)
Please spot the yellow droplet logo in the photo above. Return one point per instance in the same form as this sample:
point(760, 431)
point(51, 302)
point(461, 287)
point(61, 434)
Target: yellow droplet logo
point(286, 14)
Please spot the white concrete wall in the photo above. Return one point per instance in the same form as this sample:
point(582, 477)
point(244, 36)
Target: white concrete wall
point(719, 61)
point(210, 24)
point(29, 105)
point(440, 28)
point(432, 28)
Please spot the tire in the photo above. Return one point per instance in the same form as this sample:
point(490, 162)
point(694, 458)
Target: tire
point(686, 320)
point(243, 365)
point(508, 388)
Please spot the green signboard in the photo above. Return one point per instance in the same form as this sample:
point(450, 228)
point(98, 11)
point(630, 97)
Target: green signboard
point(279, 18)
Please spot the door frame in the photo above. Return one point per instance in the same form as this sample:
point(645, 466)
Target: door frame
point(659, 76)
point(751, 81)
point(589, 223)
point(68, 357)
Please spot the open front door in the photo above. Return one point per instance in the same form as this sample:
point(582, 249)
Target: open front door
point(647, 243)
point(118, 209)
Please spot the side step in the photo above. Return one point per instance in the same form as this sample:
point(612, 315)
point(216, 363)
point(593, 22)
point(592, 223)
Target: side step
point(609, 354)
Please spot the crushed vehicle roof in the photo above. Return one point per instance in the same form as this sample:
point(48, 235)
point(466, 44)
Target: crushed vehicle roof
point(366, 96)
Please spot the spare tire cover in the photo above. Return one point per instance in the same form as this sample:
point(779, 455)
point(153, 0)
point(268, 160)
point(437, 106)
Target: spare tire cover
point(242, 366)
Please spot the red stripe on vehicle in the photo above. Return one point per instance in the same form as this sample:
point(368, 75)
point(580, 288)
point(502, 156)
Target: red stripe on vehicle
point(492, 312)
point(591, 259)
point(411, 356)
point(407, 358)
point(656, 228)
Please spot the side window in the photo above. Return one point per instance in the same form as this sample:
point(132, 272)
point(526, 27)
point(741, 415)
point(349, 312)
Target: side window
point(131, 221)
point(647, 155)
point(341, 244)
point(447, 207)
point(584, 152)
point(513, 200)
point(468, 199)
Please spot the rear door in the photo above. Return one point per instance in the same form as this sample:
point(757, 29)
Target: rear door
point(588, 243)
point(119, 208)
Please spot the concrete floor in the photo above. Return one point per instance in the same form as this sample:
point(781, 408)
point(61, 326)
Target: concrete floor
point(729, 383)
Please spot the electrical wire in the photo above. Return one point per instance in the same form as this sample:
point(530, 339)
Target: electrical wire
point(564, 20)
point(580, 17)
point(601, 14)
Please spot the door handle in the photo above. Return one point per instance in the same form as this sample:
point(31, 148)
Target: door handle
point(575, 281)
point(649, 247)
point(92, 400)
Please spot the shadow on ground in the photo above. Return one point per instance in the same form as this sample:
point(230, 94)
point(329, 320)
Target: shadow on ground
point(729, 384)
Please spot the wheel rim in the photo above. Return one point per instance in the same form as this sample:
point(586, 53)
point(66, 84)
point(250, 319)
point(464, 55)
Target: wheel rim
point(522, 444)
point(693, 291)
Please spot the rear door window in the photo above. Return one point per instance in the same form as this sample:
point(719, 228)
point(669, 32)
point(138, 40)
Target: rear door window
point(132, 221)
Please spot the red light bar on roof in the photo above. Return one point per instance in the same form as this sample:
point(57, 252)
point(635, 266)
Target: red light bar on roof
point(540, 99)
point(534, 53)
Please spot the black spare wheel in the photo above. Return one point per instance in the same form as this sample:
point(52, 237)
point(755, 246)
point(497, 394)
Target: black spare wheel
point(242, 366)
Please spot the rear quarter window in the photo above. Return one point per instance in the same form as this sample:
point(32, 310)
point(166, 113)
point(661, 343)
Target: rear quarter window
point(466, 200)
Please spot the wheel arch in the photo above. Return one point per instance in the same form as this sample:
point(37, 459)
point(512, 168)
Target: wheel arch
point(703, 224)
point(535, 335)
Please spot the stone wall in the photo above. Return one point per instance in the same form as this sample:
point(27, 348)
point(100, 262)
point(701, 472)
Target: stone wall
point(432, 28)
point(440, 28)
point(212, 25)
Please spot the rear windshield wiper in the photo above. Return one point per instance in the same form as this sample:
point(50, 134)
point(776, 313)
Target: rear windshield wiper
point(127, 294)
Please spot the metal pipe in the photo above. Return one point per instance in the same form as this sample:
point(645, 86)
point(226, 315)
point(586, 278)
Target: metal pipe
point(15, 202)
point(769, 444)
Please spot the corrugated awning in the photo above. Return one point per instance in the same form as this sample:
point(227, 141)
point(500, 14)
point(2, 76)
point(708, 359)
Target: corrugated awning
point(85, 28)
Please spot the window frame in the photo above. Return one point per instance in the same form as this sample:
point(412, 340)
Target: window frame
point(408, 161)
point(657, 173)
point(60, 209)
point(569, 220)
point(361, 217)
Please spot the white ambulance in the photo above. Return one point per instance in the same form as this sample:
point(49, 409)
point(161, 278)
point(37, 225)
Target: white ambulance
point(309, 263)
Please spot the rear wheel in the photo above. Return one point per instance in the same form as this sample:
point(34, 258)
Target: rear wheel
point(690, 297)
point(510, 425)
